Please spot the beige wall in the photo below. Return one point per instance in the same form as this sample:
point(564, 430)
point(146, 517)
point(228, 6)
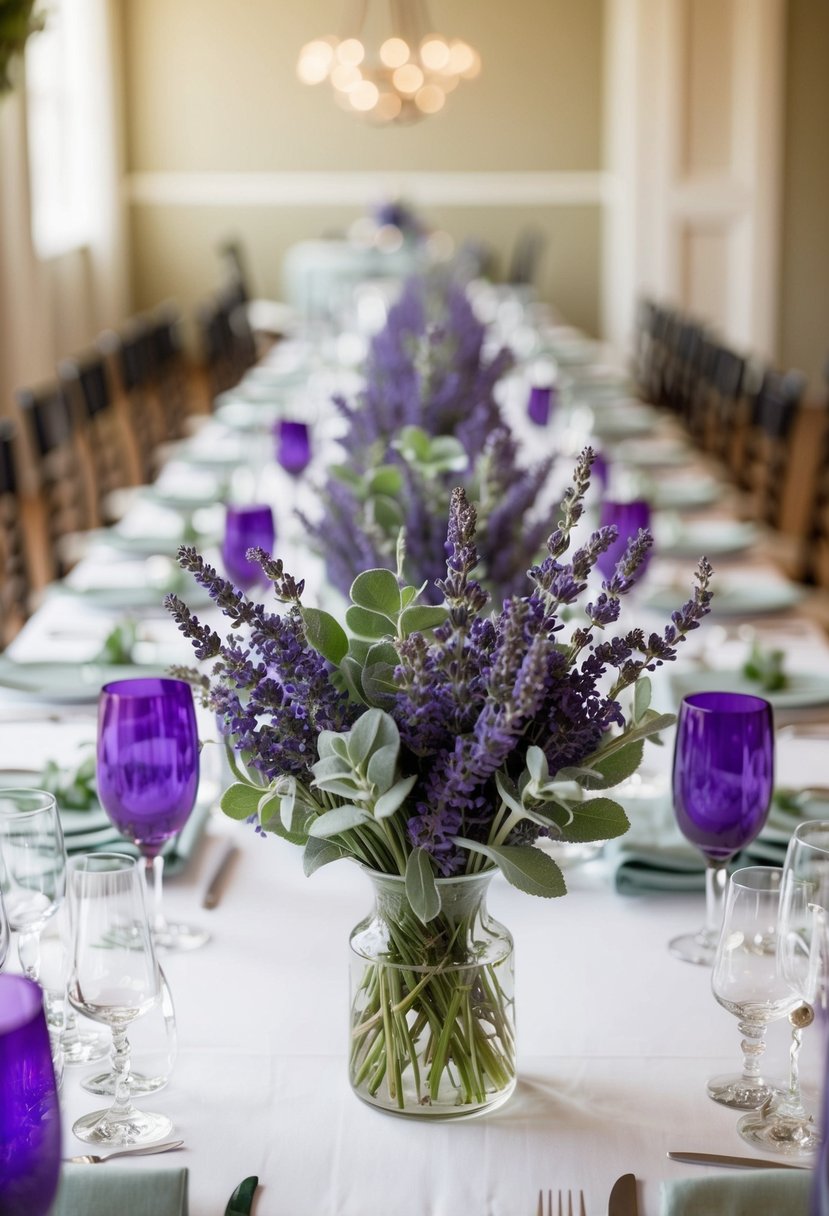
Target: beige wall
point(804, 312)
point(210, 88)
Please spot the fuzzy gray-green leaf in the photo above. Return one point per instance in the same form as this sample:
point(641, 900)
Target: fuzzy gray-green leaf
point(389, 802)
point(421, 888)
point(325, 634)
point(340, 819)
point(378, 591)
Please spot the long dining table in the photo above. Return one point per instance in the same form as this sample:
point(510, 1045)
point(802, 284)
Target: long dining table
point(616, 1038)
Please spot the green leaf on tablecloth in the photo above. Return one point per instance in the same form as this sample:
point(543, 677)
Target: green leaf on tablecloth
point(523, 866)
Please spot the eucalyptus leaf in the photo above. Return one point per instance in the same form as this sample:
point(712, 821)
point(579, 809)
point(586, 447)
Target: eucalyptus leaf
point(358, 649)
point(379, 684)
point(421, 617)
point(319, 853)
point(352, 677)
point(325, 634)
point(386, 512)
point(386, 480)
point(394, 798)
point(523, 866)
point(378, 591)
point(368, 624)
point(421, 888)
point(340, 819)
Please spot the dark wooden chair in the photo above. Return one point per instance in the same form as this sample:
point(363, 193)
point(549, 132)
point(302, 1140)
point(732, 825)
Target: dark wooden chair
point(170, 370)
point(131, 353)
point(88, 385)
point(773, 411)
point(815, 562)
point(15, 582)
point(51, 427)
point(527, 254)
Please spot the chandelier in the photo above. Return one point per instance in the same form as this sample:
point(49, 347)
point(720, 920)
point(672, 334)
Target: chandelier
point(395, 74)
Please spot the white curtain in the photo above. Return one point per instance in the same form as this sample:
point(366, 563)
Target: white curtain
point(49, 308)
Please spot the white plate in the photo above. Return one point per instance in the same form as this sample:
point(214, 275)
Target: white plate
point(653, 453)
point(624, 422)
point(803, 688)
point(78, 826)
point(735, 599)
point(714, 538)
point(243, 415)
point(61, 683)
point(685, 493)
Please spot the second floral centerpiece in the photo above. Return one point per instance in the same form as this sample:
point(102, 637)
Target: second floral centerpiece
point(434, 745)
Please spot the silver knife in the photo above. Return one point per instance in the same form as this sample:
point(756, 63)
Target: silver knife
point(214, 888)
point(622, 1201)
point(737, 1163)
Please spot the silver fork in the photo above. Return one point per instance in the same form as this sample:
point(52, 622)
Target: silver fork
point(560, 1206)
point(91, 1159)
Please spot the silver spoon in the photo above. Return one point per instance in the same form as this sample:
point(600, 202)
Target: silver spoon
point(91, 1159)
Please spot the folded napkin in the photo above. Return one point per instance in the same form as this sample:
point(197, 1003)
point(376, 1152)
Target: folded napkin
point(177, 852)
point(96, 1190)
point(750, 1193)
point(667, 862)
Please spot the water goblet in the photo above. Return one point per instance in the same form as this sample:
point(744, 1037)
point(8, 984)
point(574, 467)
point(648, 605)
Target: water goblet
point(29, 1112)
point(4, 932)
point(246, 527)
point(746, 980)
point(293, 449)
point(148, 777)
point(32, 868)
point(723, 776)
point(114, 979)
point(540, 404)
point(629, 518)
point(788, 1128)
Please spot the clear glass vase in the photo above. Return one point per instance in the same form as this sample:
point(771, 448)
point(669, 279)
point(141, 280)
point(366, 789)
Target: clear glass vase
point(432, 1006)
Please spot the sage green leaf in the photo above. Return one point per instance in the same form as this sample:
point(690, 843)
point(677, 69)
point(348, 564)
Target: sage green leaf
point(379, 685)
point(386, 513)
point(421, 888)
point(319, 853)
point(368, 624)
point(389, 802)
point(523, 866)
point(619, 765)
point(447, 454)
point(378, 591)
point(325, 634)
point(407, 594)
point(332, 743)
point(340, 819)
point(332, 765)
point(587, 777)
point(342, 787)
point(537, 765)
point(596, 819)
point(413, 443)
point(509, 794)
point(352, 676)
point(641, 697)
point(421, 617)
point(240, 800)
point(358, 648)
point(382, 767)
point(362, 735)
point(386, 480)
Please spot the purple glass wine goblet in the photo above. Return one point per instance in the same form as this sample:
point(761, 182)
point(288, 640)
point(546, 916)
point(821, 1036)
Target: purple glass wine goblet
point(723, 776)
point(293, 446)
point(629, 518)
point(29, 1112)
point(247, 527)
point(540, 403)
point(148, 777)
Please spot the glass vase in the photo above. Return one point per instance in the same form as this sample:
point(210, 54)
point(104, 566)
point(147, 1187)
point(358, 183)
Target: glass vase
point(432, 1005)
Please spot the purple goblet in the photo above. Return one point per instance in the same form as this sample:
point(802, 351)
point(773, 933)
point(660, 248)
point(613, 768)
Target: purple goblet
point(540, 404)
point(293, 446)
point(29, 1112)
point(148, 776)
point(628, 518)
point(723, 776)
point(248, 527)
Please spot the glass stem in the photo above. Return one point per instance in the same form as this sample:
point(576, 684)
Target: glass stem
point(122, 1104)
point(752, 1046)
point(154, 871)
point(792, 1105)
point(716, 880)
point(28, 951)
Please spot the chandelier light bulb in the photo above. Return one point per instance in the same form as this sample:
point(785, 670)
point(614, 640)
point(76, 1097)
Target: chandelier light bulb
point(461, 57)
point(315, 61)
point(388, 107)
point(351, 51)
point(345, 77)
point(430, 99)
point(394, 52)
point(408, 79)
point(474, 68)
point(434, 53)
point(364, 96)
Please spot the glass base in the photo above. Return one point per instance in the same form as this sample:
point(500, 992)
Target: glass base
point(136, 1127)
point(697, 948)
point(172, 935)
point(782, 1134)
point(103, 1084)
point(87, 1048)
point(740, 1093)
point(438, 1111)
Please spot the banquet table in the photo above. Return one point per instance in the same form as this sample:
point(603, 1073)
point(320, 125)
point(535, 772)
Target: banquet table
point(616, 1038)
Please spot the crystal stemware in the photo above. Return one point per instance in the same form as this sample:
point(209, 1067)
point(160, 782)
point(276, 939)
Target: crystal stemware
point(32, 868)
point(629, 518)
point(114, 979)
point(293, 446)
point(802, 958)
point(246, 527)
point(148, 777)
point(4, 932)
point(723, 776)
point(29, 1112)
point(747, 982)
point(539, 404)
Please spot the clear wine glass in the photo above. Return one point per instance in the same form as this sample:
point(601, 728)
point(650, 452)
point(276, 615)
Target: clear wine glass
point(32, 868)
point(246, 527)
point(29, 1111)
point(747, 982)
point(723, 776)
point(114, 979)
point(4, 932)
point(802, 958)
point(148, 777)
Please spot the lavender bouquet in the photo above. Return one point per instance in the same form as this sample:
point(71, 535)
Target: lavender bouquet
point(433, 744)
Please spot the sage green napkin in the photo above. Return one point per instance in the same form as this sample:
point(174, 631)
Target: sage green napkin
point(177, 852)
point(749, 1193)
point(667, 862)
point(104, 1190)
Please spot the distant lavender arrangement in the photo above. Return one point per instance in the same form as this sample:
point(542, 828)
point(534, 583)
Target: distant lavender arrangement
point(429, 741)
point(426, 417)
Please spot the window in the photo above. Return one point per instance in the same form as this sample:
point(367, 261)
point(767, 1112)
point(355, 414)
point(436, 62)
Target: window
point(59, 129)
